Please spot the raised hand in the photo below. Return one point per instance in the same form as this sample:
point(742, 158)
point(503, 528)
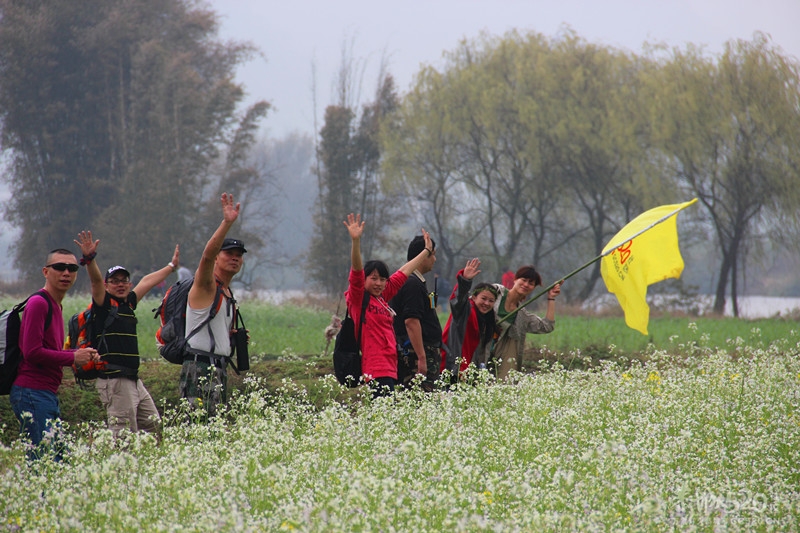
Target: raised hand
point(427, 237)
point(472, 269)
point(230, 210)
point(355, 226)
point(555, 291)
point(176, 256)
point(88, 247)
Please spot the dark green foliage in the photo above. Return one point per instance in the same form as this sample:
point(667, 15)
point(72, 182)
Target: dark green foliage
point(329, 257)
point(348, 183)
point(111, 114)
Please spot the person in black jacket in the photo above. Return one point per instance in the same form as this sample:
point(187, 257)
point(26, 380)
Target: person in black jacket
point(417, 326)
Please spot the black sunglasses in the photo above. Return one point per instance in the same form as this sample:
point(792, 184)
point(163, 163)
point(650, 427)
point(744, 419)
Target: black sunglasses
point(61, 267)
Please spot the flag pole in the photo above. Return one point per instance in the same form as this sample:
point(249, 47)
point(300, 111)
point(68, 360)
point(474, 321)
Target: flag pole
point(651, 226)
point(609, 250)
point(546, 290)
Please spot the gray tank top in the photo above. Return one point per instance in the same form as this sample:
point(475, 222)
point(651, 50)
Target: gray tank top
point(220, 328)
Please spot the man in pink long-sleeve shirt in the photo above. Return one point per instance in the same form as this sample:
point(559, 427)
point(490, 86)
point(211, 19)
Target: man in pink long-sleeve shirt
point(33, 395)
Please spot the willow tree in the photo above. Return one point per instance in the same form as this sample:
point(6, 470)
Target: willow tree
point(731, 127)
point(469, 141)
point(329, 260)
point(112, 113)
point(533, 142)
point(600, 140)
point(420, 161)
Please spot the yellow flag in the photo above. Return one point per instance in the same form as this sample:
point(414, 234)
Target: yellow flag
point(643, 252)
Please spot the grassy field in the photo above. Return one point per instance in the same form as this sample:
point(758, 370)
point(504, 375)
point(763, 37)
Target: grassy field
point(288, 341)
point(287, 330)
point(692, 428)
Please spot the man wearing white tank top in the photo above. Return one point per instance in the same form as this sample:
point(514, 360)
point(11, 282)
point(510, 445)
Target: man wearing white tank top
point(204, 376)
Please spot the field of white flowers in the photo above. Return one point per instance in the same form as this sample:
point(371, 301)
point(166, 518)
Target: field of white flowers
point(703, 442)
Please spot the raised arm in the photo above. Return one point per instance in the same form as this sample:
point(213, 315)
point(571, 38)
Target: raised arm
point(204, 288)
point(89, 251)
point(157, 276)
point(536, 324)
point(412, 265)
point(460, 297)
point(355, 227)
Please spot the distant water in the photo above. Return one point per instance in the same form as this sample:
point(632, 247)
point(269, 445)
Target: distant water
point(276, 297)
point(749, 306)
point(758, 306)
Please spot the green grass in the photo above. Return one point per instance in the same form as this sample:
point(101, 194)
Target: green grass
point(664, 332)
point(293, 329)
point(288, 342)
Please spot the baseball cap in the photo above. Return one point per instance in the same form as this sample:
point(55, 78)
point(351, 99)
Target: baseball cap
point(230, 244)
point(113, 270)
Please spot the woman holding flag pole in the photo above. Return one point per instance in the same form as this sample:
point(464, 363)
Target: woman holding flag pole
point(643, 252)
point(515, 321)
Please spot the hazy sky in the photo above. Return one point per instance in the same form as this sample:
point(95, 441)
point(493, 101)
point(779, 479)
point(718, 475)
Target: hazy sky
point(294, 34)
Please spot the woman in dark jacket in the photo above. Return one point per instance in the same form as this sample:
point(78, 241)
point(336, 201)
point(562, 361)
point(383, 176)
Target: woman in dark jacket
point(467, 336)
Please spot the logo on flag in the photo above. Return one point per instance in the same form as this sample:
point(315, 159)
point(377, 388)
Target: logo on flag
point(644, 252)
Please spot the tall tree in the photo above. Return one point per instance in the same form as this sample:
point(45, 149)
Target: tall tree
point(420, 161)
point(471, 143)
point(731, 127)
point(112, 113)
point(367, 161)
point(253, 186)
point(542, 136)
point(599, 139)
point(337, 196)
point(349, 162)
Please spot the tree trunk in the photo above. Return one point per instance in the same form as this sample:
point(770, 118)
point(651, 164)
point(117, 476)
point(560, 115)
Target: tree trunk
point(734, 288)
point(586, 290)
point(722, 283)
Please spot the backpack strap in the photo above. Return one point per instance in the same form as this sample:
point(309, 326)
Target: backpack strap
point(42, 293)
point(207, 321)
point(49, 317)
point(239, 318)
point(364, 302)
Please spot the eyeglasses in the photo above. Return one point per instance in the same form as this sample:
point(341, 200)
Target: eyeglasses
point(117, 281)
point(61, 267)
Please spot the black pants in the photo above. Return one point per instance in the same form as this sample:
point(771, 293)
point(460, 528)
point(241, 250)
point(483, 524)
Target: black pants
point(382, 386)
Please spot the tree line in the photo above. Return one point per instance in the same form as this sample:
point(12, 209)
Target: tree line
point(529, 149)
point(123, 118)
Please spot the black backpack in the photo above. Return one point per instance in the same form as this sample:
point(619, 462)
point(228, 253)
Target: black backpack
point(10, 352)
point(79, 329)
point(171, 335)
point(347, 348)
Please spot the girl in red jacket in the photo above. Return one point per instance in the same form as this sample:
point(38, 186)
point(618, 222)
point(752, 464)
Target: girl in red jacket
point(378, 344)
